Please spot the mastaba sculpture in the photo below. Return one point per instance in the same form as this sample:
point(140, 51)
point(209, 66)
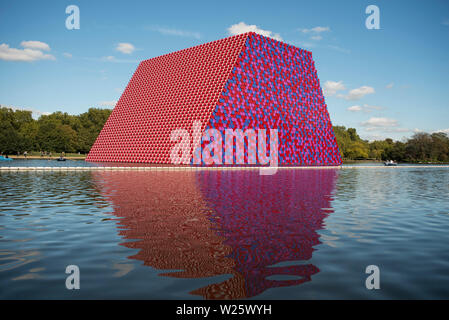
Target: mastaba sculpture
point(247, 82)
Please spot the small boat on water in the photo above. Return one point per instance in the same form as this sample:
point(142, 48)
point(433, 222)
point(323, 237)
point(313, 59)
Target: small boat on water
point(389, 163)
point(2, 158)
point(61, 158)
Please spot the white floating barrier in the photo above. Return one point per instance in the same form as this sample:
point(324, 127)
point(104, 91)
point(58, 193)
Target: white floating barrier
point(196, 168)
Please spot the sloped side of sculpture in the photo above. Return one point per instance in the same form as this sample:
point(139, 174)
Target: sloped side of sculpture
point(166, 93)
point(275, 86)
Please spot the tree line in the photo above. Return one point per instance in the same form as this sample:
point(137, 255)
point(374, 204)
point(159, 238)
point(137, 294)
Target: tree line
point(56, 132)
point(61, 132)
point(421, 147)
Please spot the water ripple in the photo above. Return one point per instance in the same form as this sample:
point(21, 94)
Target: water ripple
point(298, 234)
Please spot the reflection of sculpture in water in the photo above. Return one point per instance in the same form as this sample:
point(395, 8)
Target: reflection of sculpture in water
point(223, 222)
point(267, 220)
point(166, 214)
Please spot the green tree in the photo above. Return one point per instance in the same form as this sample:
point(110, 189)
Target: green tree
point(11, 140)
point(419, 147)
point(439, 150)
point(55, 132)
point(350, 144)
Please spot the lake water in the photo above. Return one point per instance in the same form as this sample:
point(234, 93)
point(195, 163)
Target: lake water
point(299, 234)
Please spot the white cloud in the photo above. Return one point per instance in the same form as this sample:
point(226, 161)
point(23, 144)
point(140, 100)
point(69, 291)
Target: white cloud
point(355, 108)
point(399, 130)
point(108, 103)
point(390, 85)
point(331, 87)
point(27, 54)
point(125, 48)
point(446, 131)
point(176, 32)
point(364, 108)
point(67, 55)
point(37, 45)
point(356, 94)
point(374, 122)
point(242, 27)
point(315, 30)
point(369, 129)
point(443, 130)
point(316, 35)
point(374, 137)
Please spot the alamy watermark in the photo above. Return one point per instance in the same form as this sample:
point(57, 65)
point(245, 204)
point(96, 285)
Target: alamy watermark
point(373, 280)
point(188, 148)
point(72, 282)
point(373, 20)
point(73, 20)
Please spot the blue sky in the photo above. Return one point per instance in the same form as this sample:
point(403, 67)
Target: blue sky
point(389, 82)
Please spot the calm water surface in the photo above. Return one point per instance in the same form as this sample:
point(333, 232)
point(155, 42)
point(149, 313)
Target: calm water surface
point(299, 234)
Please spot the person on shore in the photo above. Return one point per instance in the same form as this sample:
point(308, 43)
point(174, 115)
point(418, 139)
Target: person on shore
point(25, 154)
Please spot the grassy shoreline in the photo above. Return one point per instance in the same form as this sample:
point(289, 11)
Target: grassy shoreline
point(53, 157)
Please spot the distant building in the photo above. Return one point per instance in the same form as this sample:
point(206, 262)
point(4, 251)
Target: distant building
point(242, 82)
